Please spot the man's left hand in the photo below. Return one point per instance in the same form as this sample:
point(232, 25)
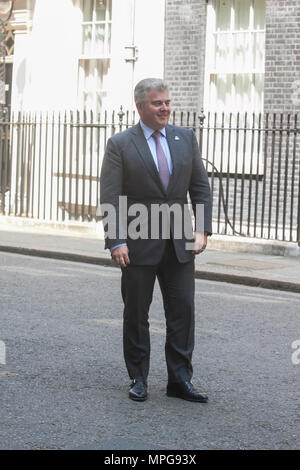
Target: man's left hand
point(200, 242)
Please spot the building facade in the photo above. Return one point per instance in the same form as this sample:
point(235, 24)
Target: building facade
point(237, 60)
point(233, 55)
point(83, 54)
point(220, 55)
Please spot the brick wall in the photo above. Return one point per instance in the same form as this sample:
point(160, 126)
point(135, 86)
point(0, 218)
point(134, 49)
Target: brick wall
point(282, 95)
point(282, 65)
point(184, 70)
point(185, 52)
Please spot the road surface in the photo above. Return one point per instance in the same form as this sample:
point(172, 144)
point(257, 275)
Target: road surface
point(64, 384)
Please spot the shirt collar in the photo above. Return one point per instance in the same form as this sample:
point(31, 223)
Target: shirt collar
point(148, 131)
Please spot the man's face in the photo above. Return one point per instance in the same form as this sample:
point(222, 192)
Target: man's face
point(156, 111)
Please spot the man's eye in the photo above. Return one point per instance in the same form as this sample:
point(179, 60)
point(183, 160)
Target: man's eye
point(159, 103)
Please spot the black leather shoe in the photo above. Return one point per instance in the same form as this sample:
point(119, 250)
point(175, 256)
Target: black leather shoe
point(186, 391)
point(138, 390)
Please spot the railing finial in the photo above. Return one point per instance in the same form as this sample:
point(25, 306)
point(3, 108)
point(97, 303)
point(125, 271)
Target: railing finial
point(201, 117)
point(121, 115)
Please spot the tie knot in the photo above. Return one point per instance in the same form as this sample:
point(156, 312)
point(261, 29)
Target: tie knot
point(156, 134)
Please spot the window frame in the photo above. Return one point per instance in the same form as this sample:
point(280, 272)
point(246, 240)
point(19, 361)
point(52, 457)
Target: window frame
point(94, 23)
point(211, 72)
point(97, 64)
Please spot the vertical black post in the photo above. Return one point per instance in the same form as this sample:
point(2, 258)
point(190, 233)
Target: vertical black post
point(40, 163)
point(279, 176)
point(58, 164)
point(201, 118)
point(90, 215)
point(11, 150)
point(23, 165)
point(71, 166)
point(271, 173)
point(286, 170)
point(298, 216)
point(250, 174)
point(45, 167)
point(236, 170)
point(228, 174)
point(213, 158)
point(29, 166)
point(221, 170)
point(77, 164)
point(293, 181)
point(98, 166)
point(257, 177)
point(83, 166)
point(64, 167)
point(173, 118)
point(207, 141)
point(256, 199)
point(2, 168)
point(243, 173)
point(33, 164)
point(52, 167)
point(17, 164)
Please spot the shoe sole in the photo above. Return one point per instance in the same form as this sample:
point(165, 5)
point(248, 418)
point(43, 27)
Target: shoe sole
point(137, 398)
point(175, 395)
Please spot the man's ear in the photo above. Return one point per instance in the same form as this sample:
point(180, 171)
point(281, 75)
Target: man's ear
point(139, 106)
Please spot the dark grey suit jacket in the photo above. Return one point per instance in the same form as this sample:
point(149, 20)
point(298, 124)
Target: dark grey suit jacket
point(128, 169)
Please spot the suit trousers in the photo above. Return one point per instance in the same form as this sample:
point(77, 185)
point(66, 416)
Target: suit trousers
point(177, 284)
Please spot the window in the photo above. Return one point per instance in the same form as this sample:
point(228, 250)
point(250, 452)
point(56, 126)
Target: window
point(91, 83)
point(96, 28)
point(234, 83)
point(235, 55)
point(95, 53)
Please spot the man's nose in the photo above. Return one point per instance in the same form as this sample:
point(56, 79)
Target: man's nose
point(164, 106)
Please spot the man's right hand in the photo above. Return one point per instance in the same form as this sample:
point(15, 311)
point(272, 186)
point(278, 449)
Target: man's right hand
point(120, 256)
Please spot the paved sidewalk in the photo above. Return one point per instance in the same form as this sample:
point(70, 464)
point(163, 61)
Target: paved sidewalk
point(252, 269)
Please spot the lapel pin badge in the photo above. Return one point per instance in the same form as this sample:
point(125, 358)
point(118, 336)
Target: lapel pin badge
point(176, 137)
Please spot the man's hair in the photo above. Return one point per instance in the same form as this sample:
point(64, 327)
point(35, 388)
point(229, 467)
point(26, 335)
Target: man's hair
point(142, 88)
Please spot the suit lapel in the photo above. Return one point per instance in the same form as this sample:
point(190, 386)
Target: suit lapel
point(174, 146)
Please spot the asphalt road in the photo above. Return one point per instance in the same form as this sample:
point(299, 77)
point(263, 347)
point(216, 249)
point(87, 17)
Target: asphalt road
point(64, 384)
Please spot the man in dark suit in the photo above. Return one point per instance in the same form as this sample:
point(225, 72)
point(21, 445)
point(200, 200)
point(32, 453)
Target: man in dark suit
point(155, 165)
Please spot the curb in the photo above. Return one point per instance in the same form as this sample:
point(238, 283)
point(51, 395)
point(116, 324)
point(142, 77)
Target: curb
point(254, 245)
point(248, 281)
point(241, 244)
point(59, 255)
point(199, 274)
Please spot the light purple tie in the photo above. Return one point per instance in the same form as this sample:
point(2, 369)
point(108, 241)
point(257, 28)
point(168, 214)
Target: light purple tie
point(163, 168)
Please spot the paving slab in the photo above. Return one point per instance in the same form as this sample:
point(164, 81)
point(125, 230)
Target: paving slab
point(248, 268)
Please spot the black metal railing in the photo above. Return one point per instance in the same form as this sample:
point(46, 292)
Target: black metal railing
point(50, 167)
